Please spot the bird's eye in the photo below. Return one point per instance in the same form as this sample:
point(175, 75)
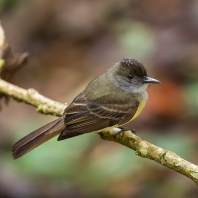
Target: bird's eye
point(130, 76)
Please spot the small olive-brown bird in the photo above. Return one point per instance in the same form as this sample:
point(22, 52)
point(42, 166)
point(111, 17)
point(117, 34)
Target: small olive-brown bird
point(108, 102)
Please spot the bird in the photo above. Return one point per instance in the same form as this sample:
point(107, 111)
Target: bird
point(109, 101)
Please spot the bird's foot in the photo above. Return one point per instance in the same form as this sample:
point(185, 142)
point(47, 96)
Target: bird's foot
point(117, 131)
point(127, 129)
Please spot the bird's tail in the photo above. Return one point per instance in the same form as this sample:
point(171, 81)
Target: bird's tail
point(37, 137)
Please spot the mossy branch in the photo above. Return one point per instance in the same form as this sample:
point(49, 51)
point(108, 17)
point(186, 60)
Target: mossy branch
point(147, 150)
point(127, 138)
point(30, 96)
point(47, 106)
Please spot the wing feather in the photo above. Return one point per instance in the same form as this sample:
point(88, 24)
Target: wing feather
point(82, 116)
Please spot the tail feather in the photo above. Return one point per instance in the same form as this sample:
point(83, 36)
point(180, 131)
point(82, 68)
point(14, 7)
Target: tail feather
point(37, 137)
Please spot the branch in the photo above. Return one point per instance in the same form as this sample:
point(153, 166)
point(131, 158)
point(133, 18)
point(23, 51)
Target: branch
point(127, 138)
point(47, 106)
point(147, 150)
point(30, 96)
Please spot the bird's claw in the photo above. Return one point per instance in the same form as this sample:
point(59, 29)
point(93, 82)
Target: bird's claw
point(123, 129)
point(127, 129)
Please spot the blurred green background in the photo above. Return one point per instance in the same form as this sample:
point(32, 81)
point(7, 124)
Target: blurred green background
point(70, 42)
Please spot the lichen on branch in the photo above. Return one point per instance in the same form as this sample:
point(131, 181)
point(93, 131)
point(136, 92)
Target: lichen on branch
point(30, 96)
point(47, 106)
point(147, 150)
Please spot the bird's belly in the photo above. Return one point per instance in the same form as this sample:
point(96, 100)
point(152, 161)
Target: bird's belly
point(140, 108)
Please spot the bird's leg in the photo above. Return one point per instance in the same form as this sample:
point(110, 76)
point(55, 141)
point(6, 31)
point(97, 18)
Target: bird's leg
point(126, 129)
point(116, 131)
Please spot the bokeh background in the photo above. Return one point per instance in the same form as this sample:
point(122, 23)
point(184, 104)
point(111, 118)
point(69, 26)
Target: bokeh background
point(72, 41)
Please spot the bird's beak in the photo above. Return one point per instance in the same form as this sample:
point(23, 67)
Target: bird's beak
point(151, 80)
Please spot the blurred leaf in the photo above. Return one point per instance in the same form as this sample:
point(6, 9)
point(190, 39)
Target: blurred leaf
point(191, 97)
point(137, 39)
point(181, 144)
point(7, 4)
point(10, 63)
point(13, 62)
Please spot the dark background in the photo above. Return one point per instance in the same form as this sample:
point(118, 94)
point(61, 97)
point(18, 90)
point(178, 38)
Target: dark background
point(72, 41)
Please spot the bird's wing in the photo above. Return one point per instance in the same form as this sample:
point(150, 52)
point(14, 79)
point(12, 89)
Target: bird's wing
point(82, 116)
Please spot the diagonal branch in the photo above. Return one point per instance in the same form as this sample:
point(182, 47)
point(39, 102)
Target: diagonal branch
point(30, 96)
point(143, 148)
point(147, 150)
point(47, 106)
